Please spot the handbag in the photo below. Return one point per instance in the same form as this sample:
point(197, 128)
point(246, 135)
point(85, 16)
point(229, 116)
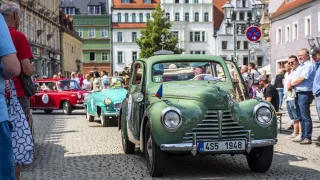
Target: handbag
point(30, 88)
point(22, 140)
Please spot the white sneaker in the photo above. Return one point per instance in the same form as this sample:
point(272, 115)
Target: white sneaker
point(292, 136)
point(297, 138)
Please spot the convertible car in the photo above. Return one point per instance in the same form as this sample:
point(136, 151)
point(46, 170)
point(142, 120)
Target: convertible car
point(192, 104)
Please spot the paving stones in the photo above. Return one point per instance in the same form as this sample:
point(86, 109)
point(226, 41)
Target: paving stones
point(71, 148)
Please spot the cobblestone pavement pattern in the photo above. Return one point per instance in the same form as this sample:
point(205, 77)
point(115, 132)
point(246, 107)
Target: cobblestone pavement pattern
point(71, 148)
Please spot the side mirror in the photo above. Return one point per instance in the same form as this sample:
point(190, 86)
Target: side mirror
point(138, 97)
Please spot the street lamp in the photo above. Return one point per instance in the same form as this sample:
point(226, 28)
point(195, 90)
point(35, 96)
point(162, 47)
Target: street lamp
point(228, 15)
point(78, 63)
point(257, 9)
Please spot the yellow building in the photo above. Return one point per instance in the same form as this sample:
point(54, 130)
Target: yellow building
point(71, 44)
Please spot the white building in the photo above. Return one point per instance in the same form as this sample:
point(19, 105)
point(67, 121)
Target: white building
point(225, 44)
point(192, 23)
point(128, 17)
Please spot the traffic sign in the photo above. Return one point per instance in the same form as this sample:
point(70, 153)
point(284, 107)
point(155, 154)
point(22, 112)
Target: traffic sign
point(254, 45)
point(253, 33)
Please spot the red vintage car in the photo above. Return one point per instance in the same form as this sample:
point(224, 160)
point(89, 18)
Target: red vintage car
point(53, 94)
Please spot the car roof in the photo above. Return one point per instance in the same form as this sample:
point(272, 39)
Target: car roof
point(50, 79)
point(182, 57)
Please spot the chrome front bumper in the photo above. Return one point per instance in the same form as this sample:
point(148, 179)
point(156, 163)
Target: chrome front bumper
point(79, 105)
point(194, 146)
point(111, 114)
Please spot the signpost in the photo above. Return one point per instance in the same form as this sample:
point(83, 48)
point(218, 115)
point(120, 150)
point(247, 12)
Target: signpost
point(253, 34)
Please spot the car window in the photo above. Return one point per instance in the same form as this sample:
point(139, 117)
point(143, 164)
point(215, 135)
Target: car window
point(67, 85)
point(46, 86)
point(182, 71)
point(137, 74)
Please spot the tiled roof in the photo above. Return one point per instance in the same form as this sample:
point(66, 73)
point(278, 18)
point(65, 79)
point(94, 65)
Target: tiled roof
point(128, 25)
point(82, 5)
point(287, 6)
point(218, 14)
point(135, 4)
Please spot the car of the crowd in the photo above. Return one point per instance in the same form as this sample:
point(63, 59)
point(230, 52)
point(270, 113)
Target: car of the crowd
point(105, 103)
point(54, 94)
point(191, 104)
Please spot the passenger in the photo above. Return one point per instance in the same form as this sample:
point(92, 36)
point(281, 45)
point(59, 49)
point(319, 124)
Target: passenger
point(115, 80)
point(96, 83)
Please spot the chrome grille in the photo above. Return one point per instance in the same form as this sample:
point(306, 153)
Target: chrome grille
point(217, 125)
point(117, 106)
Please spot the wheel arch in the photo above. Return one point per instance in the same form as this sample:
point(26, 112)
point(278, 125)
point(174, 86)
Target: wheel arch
point(144, 121)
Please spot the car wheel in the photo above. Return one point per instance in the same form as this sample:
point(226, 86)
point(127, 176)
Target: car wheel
point(88, 116)
point(67, 108)
point(260, 159)
point(105, 121)
point(48, 111)
point(156, 159)
point(127, 146)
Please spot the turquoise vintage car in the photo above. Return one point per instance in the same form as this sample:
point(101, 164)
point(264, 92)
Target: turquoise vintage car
point(104, 104)
point(192, 104)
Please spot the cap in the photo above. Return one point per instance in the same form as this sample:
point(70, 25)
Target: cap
point(199, 64)
point(314, 50)
point(263, 78)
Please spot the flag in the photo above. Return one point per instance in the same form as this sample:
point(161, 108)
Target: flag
point(159, 92)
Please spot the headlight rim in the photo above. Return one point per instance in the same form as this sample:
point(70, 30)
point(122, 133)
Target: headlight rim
point(164, 112)
point(255, 112)
point(79, 96)
point(105, 101)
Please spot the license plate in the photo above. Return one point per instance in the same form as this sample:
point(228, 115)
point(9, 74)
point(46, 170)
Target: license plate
point(222, 146)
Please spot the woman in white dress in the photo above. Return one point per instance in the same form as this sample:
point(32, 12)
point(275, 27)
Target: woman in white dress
point(86, 83)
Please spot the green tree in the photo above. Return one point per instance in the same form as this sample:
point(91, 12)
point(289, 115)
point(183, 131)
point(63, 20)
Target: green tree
point(151, 40)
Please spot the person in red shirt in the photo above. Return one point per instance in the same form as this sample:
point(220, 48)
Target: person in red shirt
point(11, 15)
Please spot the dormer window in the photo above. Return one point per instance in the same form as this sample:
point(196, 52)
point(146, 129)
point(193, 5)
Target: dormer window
point(72, 11)
point(94, 10)
point(64, 10)
point(125, 1)
point(147, 1)
point(119, 17)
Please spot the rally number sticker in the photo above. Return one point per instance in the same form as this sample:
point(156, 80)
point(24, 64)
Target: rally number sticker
point(129, 108)
point(45, 99)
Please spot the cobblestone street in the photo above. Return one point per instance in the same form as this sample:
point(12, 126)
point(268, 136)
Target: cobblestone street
point(69, 147)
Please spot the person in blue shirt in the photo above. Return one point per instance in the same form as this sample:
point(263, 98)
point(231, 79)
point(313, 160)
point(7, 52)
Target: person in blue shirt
point(315, 52)
point(9, 68)
point(302, 84)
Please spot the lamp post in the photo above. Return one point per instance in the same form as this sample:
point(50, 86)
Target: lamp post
point(78, 63)
point(228, 13)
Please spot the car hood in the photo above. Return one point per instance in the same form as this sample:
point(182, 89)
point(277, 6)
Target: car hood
point(212, 96)
point(114, 94)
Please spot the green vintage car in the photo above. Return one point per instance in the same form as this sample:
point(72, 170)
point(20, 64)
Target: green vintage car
point(201, 109)
point(104, 104)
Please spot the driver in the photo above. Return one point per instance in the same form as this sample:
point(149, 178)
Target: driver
point(202, 71)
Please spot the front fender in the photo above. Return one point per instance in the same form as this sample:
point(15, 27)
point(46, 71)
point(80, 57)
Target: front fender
point(122, 124)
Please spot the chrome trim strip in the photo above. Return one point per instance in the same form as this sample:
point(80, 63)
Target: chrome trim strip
point(220, 124)
point(111, 114)
point(264, 142)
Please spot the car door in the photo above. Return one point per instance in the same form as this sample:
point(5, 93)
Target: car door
point(135, 109)
point(46, 98)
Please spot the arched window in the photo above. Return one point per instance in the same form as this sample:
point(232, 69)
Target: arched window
point(206, 17)
point(126, 17)
point(168, 16)
point(119, 17)
point(186, 17)
point(196, 17)
point(148, 16)
point(177, 17)
point(141, 17)
point(133, 17)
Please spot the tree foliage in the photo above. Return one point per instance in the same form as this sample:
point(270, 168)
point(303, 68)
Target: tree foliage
point(151, 40)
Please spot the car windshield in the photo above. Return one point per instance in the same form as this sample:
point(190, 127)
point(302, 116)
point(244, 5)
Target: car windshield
point(67, 85)
point(182, 71)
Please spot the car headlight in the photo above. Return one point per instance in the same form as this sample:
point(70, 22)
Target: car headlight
point(79, 96)
point(171, 119)
point(263, 114)
point(107, 101)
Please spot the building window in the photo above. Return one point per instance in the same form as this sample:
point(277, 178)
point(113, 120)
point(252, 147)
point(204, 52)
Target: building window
point(104, 32)
point(244, 3)
point(126, 17)
point(196, 1)
point(28, 26)
point(141, 17)
point(104, 56)
point(64, 10)
point(196, 17)
point(295, 31)
point(238, 44)
point(203, 52)
point(92, 33)
point(197, 52)
point(191, 36)
point(119, 36)
point(175, 34)
point(249, 15)
point(92, 56)
point(119, 17)
point(259, 61)
point(177, 17)
point(191, 52)
point(206, 17)
point(71, 11)
point(134, 36)
point(203, 36)
point(134, 17)
point(120, 57)
point(94, 10)
point(168, 16)
point(197, 36)
point(241, 14)
point(308, 26)
point(125, 1)
point(287, 34)
point(224, 44)
point(176, 1)
point(80, 32)
point(148, 16)
point(147, 1)
point(186, 1)
point(134, 55)
point(186, 17)
point(245, 45)
point(245, 61)
point(228, 29)
point(279, 36)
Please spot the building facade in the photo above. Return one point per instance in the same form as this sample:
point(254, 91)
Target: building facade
point(245, 52)
point(71, 43)
point(128, 17)
point(291, 26)
point(192, 23)
point(92, 21)
point(40, 24)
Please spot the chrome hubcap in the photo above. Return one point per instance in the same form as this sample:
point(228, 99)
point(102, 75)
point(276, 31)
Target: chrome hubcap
point(65, 106)
point(149, 148)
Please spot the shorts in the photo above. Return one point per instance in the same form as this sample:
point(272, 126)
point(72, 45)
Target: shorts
point(6, 152)
point(293, 110)
point(25, 104)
